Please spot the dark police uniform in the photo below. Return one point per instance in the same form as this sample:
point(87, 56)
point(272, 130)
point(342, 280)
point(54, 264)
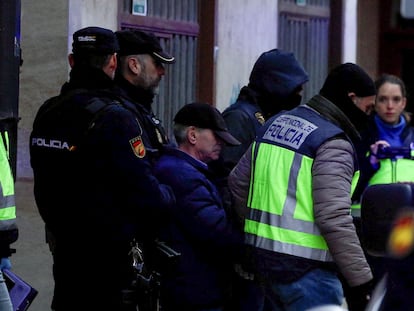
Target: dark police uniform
point(139, 101)
point(94, 189)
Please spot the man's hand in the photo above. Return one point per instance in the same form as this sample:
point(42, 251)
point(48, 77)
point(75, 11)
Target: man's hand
point(361, 295)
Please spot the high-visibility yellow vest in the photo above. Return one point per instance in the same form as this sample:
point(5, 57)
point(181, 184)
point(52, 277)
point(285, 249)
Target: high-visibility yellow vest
point(281, 215)
point(7, 195)
point(392, 171)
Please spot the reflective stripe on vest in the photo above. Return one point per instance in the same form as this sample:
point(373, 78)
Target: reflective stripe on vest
point(280, 196)
point(392, 171)
point(7, 196)
point(355, 207)
point(282, 218)
point(276, 216)
point(356, 210)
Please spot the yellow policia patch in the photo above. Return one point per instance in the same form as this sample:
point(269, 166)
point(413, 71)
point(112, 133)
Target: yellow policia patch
point(138, 146)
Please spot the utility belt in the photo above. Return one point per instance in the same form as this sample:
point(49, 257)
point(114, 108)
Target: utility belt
point(148, 266)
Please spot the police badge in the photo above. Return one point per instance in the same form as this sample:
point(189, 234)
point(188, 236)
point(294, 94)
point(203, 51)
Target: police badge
point(138, 146)
point(259, 116)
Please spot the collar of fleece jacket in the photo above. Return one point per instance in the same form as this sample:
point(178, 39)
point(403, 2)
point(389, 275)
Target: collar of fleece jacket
point(335, 115)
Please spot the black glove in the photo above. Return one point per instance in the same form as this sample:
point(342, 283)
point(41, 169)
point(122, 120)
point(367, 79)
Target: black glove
point(359, 296)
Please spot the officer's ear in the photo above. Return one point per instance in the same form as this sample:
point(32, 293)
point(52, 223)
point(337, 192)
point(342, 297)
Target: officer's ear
point(134, 65)
point(71, 60)
point(352, 96)
point(113, 62)
point(110, 68)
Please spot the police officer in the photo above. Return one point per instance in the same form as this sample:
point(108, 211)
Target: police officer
point(141, 62)
point(275, 83)
point(387, 146)
point(8, 226)
point(92, 180)
point(140, 70)
point(300, 167)
point(390, 127)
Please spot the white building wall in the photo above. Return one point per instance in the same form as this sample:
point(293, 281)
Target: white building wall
point(349, 39)
point(46, 38)
point(245, 29)
point(43, 41)
point(84, 13)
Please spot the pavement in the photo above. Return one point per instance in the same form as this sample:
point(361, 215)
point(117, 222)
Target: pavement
point(32, 260)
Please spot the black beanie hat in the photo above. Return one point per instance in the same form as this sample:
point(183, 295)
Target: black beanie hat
point(348, 78)
point(342, 80)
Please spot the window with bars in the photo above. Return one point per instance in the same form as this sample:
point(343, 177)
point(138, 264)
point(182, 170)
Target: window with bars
point(304, 30)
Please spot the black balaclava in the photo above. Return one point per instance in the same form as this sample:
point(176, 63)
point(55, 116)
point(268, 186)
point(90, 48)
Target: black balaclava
point(341, 81)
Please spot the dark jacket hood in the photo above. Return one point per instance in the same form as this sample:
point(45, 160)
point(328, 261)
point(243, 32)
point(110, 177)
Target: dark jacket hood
point(275, 77)
point(277, 73)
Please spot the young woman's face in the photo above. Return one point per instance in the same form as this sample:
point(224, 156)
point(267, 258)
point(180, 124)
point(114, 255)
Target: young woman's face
point(390, 103)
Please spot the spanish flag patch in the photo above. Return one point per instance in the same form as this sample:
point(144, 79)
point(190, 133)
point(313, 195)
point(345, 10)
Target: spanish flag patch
point(138, 146)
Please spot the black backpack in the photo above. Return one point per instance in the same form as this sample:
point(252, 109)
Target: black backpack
point(59, 128)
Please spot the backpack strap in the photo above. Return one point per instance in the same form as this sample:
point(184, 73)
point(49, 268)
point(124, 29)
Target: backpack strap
point(97, 106)
point(55, 101)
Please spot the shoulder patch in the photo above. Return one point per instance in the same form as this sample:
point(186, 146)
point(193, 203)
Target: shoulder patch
point(259, 116)
point(138, 146)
